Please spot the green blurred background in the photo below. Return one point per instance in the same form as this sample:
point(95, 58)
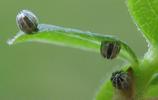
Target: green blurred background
point(37, 71)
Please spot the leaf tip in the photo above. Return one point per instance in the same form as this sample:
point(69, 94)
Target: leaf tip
point(12, 40)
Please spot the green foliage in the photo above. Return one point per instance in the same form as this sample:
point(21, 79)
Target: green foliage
point(154, 79)
point(105, 92)
point(73, 38)
point(152, 92)
point(145, 15)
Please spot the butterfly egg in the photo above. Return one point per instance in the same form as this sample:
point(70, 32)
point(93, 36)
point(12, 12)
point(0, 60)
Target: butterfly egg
point(27, 21)
point(120, 80)
point(110, 50)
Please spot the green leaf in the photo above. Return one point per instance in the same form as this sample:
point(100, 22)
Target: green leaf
point(152, 92)
point(73, 38)
point(106, 92)
point(145, 14)
point(154, 80)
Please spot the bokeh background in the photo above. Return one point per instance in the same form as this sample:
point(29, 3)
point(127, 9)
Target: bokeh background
point(37, 71)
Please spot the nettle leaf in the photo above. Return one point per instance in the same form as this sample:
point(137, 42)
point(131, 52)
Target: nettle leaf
point(145, 14)
point(73, 38)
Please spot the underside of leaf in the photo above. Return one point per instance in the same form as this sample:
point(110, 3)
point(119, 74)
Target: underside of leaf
point(73, 38)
